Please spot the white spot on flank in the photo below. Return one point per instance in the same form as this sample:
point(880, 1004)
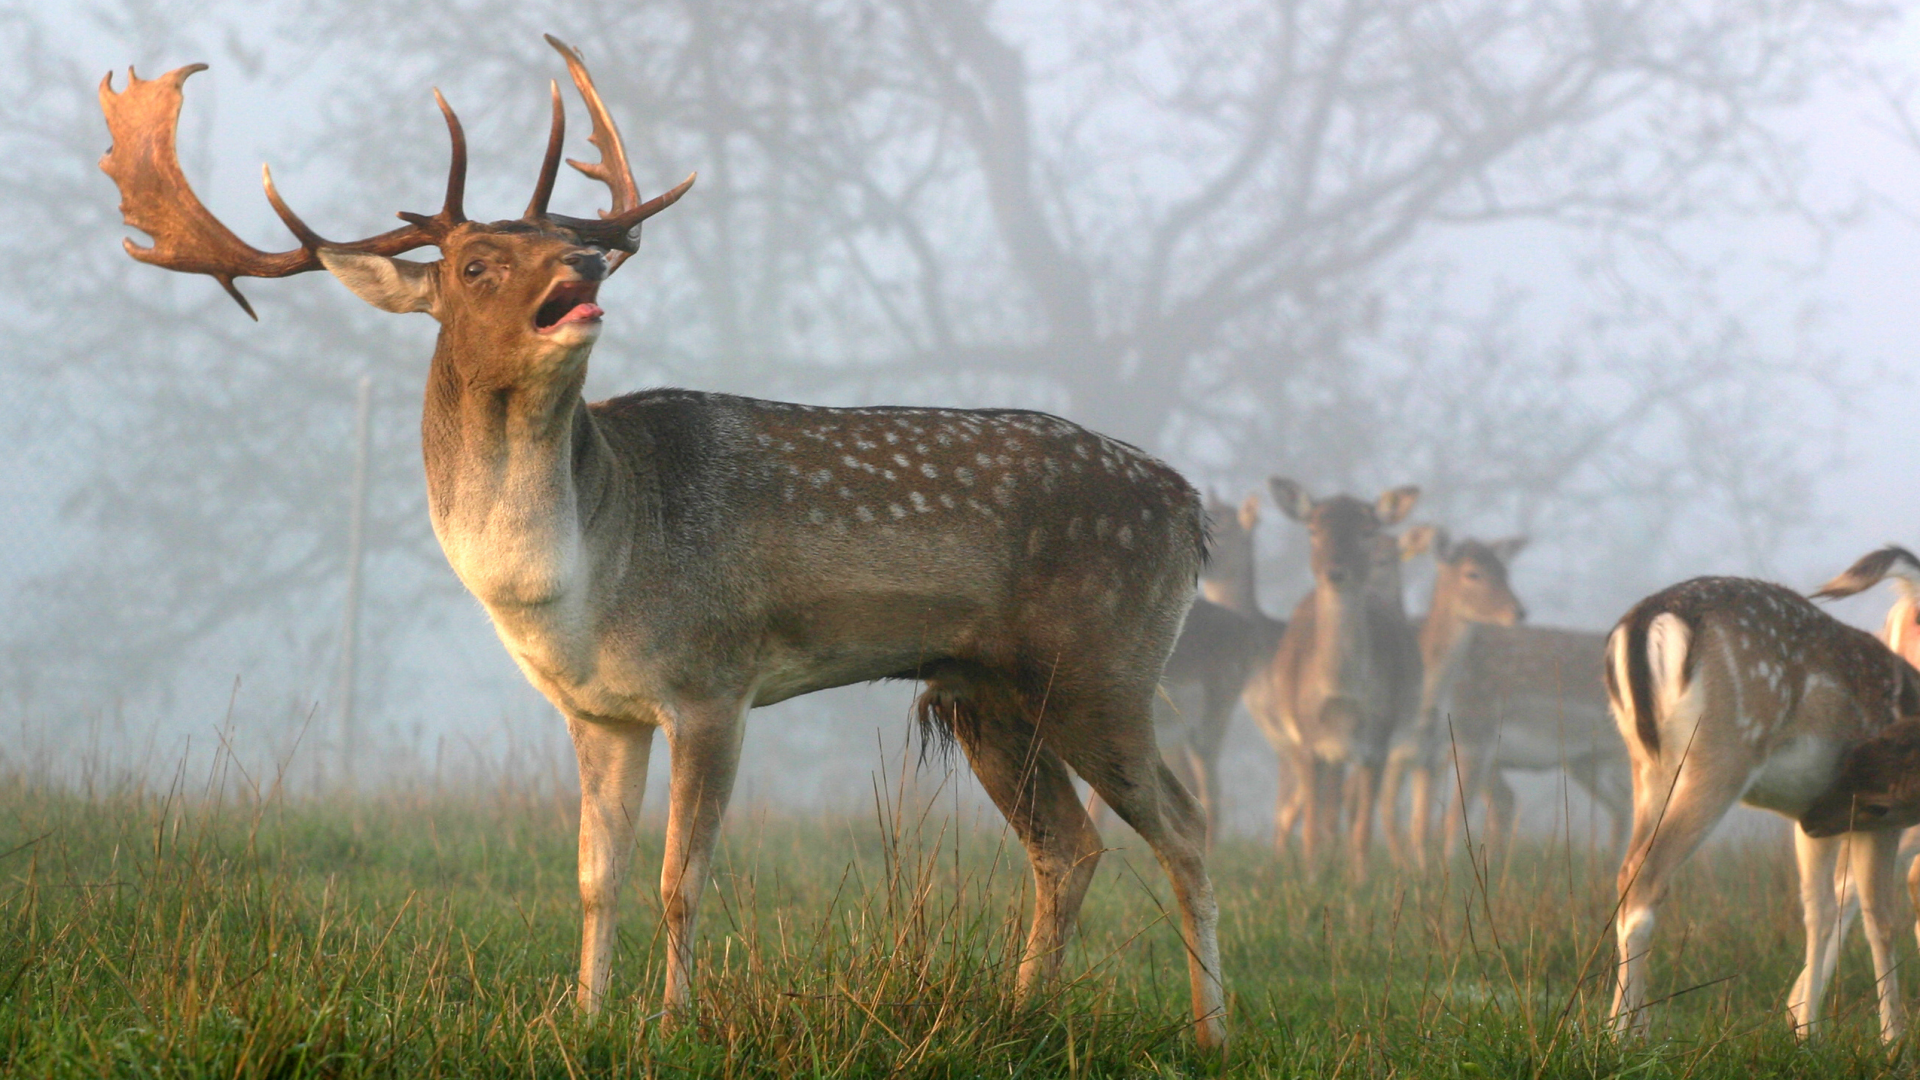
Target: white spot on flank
point(863, 513)
point(901, 460)
point(964, 475)
point(919, 501)
point(930, 472)
point(896, 510)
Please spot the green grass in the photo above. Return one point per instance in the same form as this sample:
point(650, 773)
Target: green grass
point(432, 933)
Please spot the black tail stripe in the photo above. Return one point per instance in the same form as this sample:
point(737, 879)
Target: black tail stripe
point(1640, 679)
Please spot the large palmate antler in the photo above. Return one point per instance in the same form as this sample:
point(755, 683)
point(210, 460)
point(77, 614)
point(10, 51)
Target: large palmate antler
point(618, 228)
point(156, 198)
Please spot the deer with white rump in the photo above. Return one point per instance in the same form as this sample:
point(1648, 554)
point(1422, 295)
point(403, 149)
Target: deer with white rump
point(667, 560)
point(1729, 690)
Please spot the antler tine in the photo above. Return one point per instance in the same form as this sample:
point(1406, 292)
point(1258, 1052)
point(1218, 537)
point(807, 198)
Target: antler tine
point(618, 228)
point(453, 209)
point(156, 198)
point(612, 168)
point(550, 166)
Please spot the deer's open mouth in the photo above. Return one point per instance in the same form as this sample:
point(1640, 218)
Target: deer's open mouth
point(567, 302)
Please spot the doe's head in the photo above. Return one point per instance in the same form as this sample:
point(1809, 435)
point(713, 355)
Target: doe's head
point(1471, 579)
point(1344, 530)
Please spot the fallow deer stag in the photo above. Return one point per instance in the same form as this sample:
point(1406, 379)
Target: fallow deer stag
point(1326, 699)
point(1502, 695)
point(1729, 690)
point(670, 559)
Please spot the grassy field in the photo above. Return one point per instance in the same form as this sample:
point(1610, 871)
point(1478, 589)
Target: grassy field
point(432, 933)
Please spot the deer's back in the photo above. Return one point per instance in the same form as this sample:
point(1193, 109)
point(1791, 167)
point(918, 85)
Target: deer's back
point(822, 546)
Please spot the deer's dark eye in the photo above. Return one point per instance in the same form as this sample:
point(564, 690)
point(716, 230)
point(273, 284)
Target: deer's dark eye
point(475, 268)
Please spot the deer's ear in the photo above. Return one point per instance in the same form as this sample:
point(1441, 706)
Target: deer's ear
point(1291, 498)
point(1250, 513)
point(1505, 550)
point(1393, 507)
point(1416, 541)
point(396, 285)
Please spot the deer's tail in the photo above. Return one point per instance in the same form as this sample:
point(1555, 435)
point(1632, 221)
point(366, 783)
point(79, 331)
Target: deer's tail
point(1648, 662)
point(955, 705)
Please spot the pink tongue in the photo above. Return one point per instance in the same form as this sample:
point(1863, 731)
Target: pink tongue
point(581, 313)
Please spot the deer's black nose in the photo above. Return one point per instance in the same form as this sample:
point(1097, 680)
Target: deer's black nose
point(590, 263)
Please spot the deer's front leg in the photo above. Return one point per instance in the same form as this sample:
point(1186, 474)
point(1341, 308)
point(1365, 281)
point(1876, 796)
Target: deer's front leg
point(1877, 879)
point(704, 740)
point(613, 779)
point(1820, 913)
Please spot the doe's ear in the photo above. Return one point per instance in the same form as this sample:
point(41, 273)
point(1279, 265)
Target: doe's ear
point(1416, 541)
point(1505, 550)
point(1393, 506)
point(396, 285)
point(1291, 498)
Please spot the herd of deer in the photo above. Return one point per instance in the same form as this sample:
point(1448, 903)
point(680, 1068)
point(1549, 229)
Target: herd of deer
point(668, 560)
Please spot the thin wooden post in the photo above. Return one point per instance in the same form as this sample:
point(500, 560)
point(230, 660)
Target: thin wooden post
point(356, 558)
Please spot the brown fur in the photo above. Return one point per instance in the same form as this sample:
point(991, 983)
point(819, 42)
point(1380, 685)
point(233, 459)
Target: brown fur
point(666, 561)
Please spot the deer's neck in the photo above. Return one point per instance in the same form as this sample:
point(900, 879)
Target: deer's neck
point(1442, 630)
point(1342, 639)
point(1231, 585)
point(506, 468)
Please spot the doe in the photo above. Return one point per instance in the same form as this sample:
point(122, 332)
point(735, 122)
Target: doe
point(1731, 690)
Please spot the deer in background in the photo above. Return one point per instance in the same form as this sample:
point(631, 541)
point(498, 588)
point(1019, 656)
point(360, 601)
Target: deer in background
point(668, 560)
point(1901, 629)
point(1325, 700)
point(1883, 773)
point(1500, 695)
point(1225, 639)
point(1729, 690)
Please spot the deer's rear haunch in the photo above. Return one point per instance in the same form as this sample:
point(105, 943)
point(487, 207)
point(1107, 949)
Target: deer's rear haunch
point(671, 559)
point(1727, 690)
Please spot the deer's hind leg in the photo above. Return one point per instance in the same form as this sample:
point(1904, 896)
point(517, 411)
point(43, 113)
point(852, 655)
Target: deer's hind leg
point(1033, 789)
point(1667, 830)
point(1106, 748)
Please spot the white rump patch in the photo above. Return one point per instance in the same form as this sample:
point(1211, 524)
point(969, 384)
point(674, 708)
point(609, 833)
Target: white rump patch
point(1668, 641)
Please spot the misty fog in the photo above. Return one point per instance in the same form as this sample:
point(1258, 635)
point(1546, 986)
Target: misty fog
point(1635, 280)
